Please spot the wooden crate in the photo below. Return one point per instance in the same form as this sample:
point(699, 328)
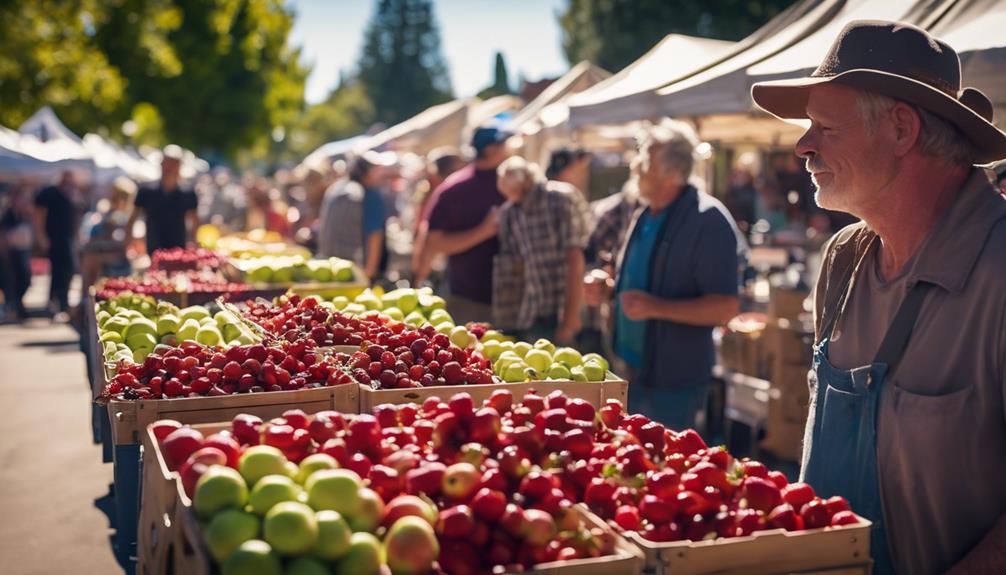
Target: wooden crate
point(773, 552)
point(190, 556)
point(158, 500)
point(129, 418)
point(596, 392)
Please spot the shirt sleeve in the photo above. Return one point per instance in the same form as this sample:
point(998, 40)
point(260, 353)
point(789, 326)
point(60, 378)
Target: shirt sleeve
point(191, 200)
point(716, 264)
point(373, 213)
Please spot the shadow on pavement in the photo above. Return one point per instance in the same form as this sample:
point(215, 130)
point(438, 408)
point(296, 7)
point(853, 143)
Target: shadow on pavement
point(106, 504)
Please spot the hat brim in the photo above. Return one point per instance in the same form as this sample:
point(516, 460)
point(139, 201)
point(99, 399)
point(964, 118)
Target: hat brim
point(787, 100)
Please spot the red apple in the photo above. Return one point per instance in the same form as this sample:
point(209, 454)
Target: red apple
point(663, 483)
point(512, 521)
point(179, 445)
point(386, 481)
point(501, 400)
point(785, 517)
point(779, 478)
point(246, 428)
point(485, 425)
point(428, 479)
point(493, 479)
point(296, 418)
point(456, 522)
point(627, 517)
point(844, 518)
point(798, 494)
point(163, 428)
point(754, 468)
point(197, 464)
point(225, 442)
point(836, 504)
point(657, 510)
point(815, 514)
point(539, 527)
point(489, 504)
point(578, 442)
point(409, 505)
point(761, 494)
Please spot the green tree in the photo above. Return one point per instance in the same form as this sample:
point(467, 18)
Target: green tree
point(48, 56)
point(401, 67)
point(501, 80)
point(614, 33)
point(222, 82)
point(347, 112)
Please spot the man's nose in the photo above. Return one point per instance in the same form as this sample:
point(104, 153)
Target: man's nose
point(806, 146)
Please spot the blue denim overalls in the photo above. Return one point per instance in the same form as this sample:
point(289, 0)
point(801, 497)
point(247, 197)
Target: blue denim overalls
point(840, 456)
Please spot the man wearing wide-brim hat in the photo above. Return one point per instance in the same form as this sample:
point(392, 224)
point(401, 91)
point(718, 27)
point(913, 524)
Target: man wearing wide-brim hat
point(908, 400)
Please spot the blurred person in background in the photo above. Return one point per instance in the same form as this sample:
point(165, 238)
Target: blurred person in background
point(222, 201)
point(742, 196)
point(543, 231)
point(266, 211)
point(15, 246)
point(168, 210)
point(103, 252)
point(677, 277)
point(58, 211)
point(440, 163)
point(572, 166)
point(353, 215)
point(463, 222)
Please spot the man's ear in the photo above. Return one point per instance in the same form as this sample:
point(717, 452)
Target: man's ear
point(907, 126)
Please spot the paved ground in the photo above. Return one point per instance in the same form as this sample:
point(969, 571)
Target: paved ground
point(54, 489)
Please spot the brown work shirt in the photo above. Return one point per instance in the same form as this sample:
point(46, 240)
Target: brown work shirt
point(941, 424)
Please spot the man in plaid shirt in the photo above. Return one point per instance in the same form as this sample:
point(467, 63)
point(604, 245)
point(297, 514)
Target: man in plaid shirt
point(542, 236)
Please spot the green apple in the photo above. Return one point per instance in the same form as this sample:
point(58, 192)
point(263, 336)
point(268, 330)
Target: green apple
point(390, 299)
point(335, 489)
point(334, 535)
point(568, 356)
point(460, 337)
point(219, 488)
point(282, 274)
point(515, 372)
point(598, 358)
point(491, 349)
point(254, 557)
point(340, 302)
point(415, 318)
point(270, 490)
point(143, 340)
point(594, 371)
point(355, 309)
point(204, 321)
point(111, 336)
point(394, 313)
point(291, 470)
point(431, 302)
point(368, 516)
point(196, 312)
point(342, 271)
point(364, 557)
point(168, 323)
point(291, 528)
point(312, 463)
point(507, 345)
point(440, 316)
point(301, 272)
point(577, 373)
point(228, 530)
point(208, 335)
point(445, 328)
point(261, 460)
point(140, 354)
point(306, 566)
point(411, 546)
point(539, 360)
point(140, 326)
point(368, 300)
point(260, 274)
point(230, 331)
point(101, 316)
point(408, 301)
point(545, 345)
point(521, 348)
point(188, 330)
point(559, 371)
point(246, 338)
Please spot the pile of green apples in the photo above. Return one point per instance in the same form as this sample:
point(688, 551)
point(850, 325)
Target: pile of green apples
point(522, 361)
point(131, 326)
point(290, 269)
point(415, 307)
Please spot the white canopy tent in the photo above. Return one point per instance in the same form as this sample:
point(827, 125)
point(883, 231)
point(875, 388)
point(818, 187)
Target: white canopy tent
point(628, 95)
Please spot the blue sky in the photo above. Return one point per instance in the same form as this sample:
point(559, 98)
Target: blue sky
point(330, 33)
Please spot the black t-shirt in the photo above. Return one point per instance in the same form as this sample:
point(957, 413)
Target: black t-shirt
point(62, 214)
point(165, 213)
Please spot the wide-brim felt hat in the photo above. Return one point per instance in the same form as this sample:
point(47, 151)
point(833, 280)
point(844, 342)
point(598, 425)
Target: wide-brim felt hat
point(900, 61)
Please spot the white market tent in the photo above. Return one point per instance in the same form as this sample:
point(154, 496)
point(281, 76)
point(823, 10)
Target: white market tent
point(629, 94)
point(327, 152)
point(543, 119)
point(446, 124)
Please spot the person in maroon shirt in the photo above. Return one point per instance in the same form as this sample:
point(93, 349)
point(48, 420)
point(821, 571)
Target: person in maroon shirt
point(463, 222)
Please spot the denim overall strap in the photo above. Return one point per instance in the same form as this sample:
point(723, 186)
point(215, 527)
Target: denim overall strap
point(841, 446)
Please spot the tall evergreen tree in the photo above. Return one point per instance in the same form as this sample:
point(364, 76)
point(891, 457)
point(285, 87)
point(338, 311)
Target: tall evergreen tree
point(401, 67)
point(614, 33)
point(501, 80)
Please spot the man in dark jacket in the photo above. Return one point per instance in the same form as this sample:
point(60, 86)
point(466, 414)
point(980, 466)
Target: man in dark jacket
point(676, 279)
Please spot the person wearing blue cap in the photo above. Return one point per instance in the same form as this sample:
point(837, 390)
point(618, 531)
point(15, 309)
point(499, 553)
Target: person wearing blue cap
point(463, 223)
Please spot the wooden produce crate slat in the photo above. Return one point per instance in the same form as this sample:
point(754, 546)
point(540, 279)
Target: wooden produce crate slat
point(155, 531)
point(130, 418)
point(773, 552)
point(592, 391)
